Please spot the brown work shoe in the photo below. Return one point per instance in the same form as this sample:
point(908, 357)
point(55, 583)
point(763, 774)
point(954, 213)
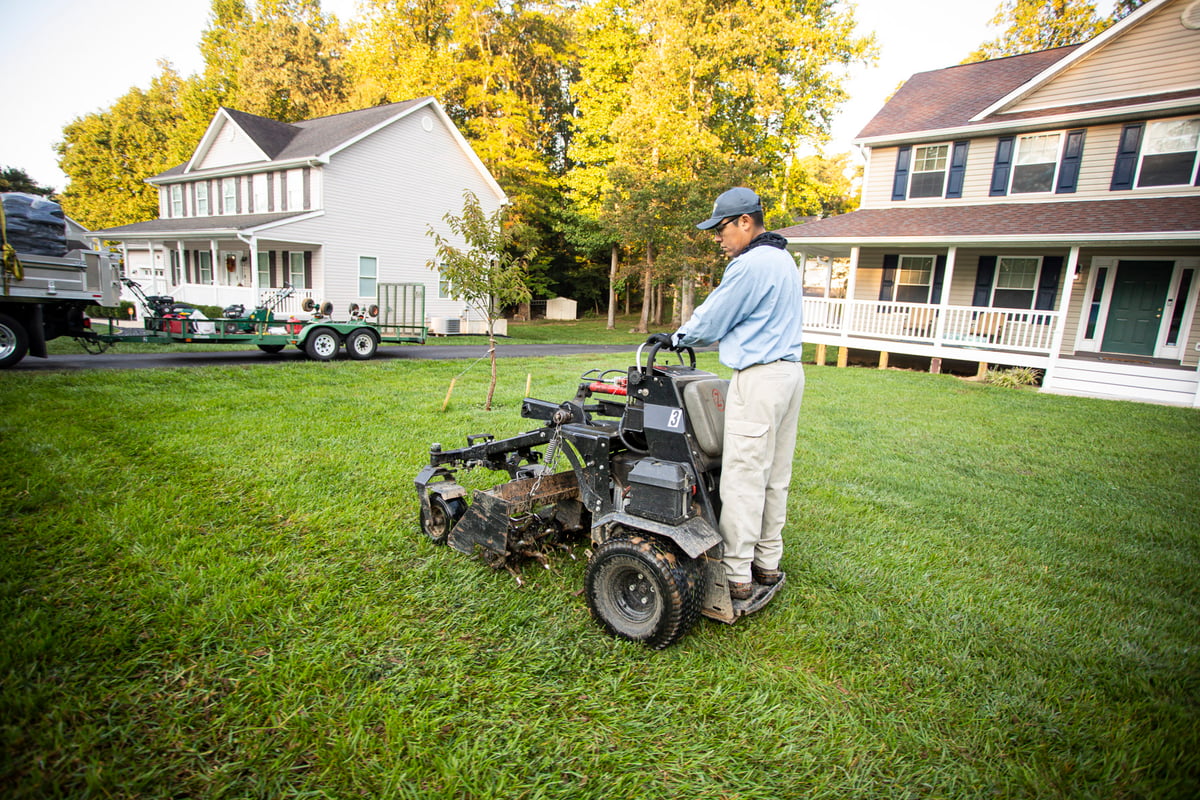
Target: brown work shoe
point(766, 577)
point(740, 591)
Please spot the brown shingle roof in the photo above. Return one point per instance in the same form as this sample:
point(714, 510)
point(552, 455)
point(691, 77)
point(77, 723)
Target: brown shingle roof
point(1169, 215)
point(951, 97)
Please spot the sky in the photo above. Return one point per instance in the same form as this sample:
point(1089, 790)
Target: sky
point(64, 59)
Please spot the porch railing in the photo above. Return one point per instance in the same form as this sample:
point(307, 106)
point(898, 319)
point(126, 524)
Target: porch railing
point(210, 295)
point(950, 326)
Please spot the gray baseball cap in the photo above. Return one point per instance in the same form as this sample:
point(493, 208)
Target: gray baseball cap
point(733, 203)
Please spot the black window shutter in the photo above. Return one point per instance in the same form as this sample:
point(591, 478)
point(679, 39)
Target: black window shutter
point(888, 284)
point(1002, 166)
point(187, 266)
point(939, 277)
point(1068, 173)
point(285, 267)
point(984, 275)
point(958, 169)
point(308, 283)
point(275, 282)
point(900, 181)
point(1048, 285)
point(1128, 150)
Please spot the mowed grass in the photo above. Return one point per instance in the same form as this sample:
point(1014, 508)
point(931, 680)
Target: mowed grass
point(212, 584)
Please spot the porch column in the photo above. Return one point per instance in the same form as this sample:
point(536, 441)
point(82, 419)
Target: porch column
point(254, 287)
point(939, 327)
point(153, 275)
point(828, 277)
point(851, 283)
point(212, 246)
point(1060, 328)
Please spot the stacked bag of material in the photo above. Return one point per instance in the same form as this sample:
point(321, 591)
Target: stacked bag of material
point(34, 224)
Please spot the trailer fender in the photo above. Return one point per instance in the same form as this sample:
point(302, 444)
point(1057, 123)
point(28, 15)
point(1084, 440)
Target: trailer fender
point(694, 536)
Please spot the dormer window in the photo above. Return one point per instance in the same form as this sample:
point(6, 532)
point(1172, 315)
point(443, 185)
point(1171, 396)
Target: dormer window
point(202, 199)
point(176, 200)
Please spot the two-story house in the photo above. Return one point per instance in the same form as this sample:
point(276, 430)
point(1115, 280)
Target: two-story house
point(329, 206)
point(1040, 210)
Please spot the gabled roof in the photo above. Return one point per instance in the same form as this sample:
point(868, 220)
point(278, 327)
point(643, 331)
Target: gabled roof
point(296, 141)
point(952, 97)
point(1175, 218)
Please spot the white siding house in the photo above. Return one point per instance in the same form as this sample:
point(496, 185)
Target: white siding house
point(330, 206)
point(1040, 210)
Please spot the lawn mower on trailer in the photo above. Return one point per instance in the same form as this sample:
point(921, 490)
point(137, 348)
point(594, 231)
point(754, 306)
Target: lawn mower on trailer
point(643, 448)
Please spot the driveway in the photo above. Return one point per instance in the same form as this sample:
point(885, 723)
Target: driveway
point(118, 360)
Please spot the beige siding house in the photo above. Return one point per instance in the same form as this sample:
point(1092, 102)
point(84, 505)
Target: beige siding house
point(1041, 210)
point(329, 206)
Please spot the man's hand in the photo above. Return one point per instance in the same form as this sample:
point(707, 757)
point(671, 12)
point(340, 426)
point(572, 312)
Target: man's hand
point(662, 340)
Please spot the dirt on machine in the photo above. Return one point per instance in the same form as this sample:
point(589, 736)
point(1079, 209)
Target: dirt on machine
point(643, 450)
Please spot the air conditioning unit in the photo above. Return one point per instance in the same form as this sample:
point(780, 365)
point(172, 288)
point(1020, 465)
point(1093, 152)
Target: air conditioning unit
point(444, 326)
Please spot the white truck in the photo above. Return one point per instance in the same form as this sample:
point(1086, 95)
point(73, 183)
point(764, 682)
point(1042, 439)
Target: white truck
point(44, 296)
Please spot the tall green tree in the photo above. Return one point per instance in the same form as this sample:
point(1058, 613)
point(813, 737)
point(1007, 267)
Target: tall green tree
point(109, 154)
point(1028, 26)
point(695, 97)
point(483, 267)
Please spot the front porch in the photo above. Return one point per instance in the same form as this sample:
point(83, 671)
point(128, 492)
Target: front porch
point(1013, 337)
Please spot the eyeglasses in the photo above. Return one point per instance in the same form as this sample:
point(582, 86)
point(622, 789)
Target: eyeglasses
point(719, 230)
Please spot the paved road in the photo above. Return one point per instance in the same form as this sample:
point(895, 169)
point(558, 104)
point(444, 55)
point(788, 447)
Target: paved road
point(118, 360)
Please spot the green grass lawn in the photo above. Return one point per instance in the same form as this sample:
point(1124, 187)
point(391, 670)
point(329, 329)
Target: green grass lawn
point(212, 584)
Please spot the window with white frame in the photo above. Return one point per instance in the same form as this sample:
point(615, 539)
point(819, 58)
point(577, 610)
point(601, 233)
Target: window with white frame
point(260, 193)
point(295, 189)
point(1169, 153)
point(296, 270)
point(176, 200)
point(368, 271)
point(914, 279)
point(1036, 163)
point(263, 265)
point(929, 171)
point(229, 196)
point(202, 199)
point(204, 267)
point(1016, 281)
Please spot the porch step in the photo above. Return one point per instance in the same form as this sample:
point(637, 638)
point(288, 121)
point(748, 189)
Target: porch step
point(1116, 380)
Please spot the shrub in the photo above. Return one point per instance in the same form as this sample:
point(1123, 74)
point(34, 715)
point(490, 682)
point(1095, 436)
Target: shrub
point(110, 312)
point(1013, 378)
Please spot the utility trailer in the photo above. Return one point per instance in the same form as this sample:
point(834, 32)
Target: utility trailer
point(397, 317)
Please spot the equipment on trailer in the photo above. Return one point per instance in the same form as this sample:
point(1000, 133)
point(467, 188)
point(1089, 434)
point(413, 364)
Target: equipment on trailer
point(398, 316)
point(644, 452)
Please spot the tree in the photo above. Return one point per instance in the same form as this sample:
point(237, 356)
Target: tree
point(109, 154)
point(687, 98)
point(15, 179)
point(1033, 25)
point(484, 272)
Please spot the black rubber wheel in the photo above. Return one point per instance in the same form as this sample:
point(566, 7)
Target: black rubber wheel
point(643, 590)
point(271, 348)
point(361, 344)
point(442, 516)
point(322, 344)
point(14, 341)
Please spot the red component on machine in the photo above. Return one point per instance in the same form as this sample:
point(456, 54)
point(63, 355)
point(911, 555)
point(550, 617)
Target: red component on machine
point(619, 388)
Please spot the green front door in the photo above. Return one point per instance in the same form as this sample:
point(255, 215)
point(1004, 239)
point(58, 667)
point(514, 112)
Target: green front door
point(1135, 313)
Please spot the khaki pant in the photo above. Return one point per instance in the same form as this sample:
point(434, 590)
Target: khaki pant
point(761, 414)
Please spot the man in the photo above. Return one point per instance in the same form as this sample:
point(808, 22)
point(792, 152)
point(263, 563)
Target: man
point(755, 314)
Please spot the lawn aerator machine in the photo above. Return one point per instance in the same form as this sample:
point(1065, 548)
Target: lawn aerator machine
point(644, 449)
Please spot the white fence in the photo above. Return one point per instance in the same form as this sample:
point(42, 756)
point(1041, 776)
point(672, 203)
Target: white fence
point(951, 326)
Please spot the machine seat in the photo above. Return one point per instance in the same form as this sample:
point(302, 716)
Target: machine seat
point(704, 401)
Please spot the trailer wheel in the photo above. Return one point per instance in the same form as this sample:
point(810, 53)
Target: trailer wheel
point(643, 590)
point(271, 348)
point(361, 344)
point(14, 341)
point(322, 344)
point(442, 516)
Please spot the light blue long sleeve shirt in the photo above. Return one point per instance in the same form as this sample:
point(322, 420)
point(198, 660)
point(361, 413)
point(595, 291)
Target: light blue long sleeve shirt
point(756, 313)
